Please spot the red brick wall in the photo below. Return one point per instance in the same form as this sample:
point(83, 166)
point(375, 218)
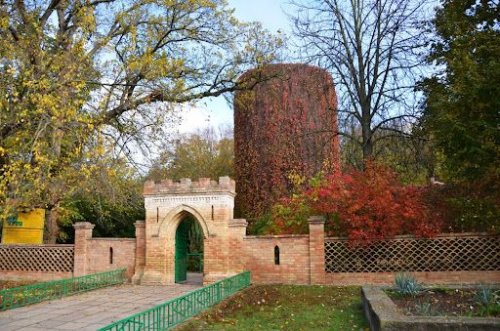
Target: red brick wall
point(33, 275)
point(302, 258)
point(258, 256)
point(98, 255)
point(302, 261)
point(387, 278)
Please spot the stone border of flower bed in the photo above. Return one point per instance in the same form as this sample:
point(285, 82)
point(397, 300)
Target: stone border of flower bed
point(383, 315)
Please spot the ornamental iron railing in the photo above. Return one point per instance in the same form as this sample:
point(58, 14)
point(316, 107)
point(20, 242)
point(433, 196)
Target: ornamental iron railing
point(30, 294)
point(178, 310)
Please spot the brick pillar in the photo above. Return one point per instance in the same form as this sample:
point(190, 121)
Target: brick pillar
point(83, 232)
point(317, 249)
point(237, 232)
point(160, 261)
point(140, 251)
point(215, 253)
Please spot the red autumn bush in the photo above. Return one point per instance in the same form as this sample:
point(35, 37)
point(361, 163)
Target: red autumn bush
point(362, 205)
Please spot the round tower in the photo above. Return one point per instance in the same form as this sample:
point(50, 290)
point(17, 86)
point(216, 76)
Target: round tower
point(285, 130)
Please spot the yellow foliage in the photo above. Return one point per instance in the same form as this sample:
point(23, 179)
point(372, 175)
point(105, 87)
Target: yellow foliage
point(68, 91)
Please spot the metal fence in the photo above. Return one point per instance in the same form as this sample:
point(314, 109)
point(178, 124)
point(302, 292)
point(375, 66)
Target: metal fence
point(26, 295)
point(459, 252)
point(44, 258)
point(175, 311)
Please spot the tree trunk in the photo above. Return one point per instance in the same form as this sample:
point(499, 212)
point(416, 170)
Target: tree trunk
point(367, 133)
point(367, 149)
point(51, 226)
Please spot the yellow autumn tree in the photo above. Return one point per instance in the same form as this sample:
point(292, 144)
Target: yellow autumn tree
point(79, 77)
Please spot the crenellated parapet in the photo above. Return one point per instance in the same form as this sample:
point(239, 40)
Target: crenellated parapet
point(187, 186)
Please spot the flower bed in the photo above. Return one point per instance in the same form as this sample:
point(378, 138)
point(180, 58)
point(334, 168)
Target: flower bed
point(471, 302)
point(384, 314)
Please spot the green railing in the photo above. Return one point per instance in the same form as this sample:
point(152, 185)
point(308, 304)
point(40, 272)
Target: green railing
point(27, 295)
point(175, 311)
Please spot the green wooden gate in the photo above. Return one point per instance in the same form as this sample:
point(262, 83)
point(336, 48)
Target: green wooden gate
point(181, 251)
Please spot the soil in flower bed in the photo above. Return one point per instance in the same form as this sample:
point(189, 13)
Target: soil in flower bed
point(445, 302)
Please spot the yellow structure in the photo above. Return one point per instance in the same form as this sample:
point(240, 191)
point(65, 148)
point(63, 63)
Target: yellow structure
point(26, 228)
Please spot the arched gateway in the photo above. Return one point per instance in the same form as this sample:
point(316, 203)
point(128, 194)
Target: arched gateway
point(188, 218)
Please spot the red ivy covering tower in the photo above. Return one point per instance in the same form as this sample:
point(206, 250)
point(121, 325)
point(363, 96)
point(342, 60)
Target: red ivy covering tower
point(284, 127)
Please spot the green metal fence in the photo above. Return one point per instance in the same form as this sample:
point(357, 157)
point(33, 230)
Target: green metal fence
point(26, 295)
point(175, 311)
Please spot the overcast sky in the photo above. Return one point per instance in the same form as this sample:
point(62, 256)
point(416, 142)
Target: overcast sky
point(215, 111)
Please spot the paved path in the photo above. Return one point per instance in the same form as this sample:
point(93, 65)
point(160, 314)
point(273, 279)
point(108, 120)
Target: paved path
point(90, 310)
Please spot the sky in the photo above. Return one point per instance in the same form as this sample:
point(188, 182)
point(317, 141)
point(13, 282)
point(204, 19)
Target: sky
point(217, 112)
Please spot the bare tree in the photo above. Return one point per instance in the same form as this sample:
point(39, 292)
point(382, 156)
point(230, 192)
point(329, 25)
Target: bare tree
point(372, 48)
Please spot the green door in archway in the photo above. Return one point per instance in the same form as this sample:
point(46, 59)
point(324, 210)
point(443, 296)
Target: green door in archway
point(181, 251)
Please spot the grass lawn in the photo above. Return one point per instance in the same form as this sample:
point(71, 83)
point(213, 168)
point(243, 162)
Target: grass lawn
point(282, 307)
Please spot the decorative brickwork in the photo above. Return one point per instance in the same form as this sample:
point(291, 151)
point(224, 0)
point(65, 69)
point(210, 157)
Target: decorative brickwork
point(43, 258)
point(210, 204)
point(186, 186)
point(461, 252)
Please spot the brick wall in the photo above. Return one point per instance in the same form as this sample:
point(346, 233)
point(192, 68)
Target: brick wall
point(301, 257)
point(41, 276)
point(102, 254)
point(259, 257)
point(435, 277)
point(100, 258)
point(302, 260)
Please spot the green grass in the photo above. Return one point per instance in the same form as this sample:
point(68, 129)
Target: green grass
point(283, 307)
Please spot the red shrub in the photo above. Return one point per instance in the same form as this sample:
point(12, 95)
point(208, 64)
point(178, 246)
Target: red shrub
point(363, 205)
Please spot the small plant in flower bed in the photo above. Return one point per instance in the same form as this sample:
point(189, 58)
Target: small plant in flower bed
point(424, 308)
point(413, 299)
point(407, 284)
point(488, 300)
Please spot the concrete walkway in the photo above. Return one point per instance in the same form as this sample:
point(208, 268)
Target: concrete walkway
point(90, 310)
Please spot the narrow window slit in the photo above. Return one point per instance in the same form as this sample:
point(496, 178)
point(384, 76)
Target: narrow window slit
point(276, 255)
point(111, 255)
point(212, 212)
